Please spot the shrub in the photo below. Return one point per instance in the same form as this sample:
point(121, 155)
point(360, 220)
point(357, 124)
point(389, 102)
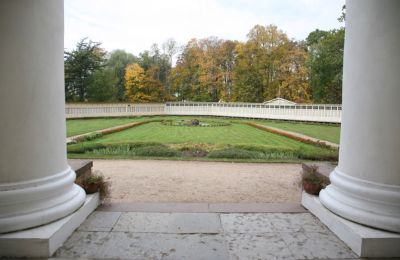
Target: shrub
point(270, 152)
point(94, 182)
point(156, 151)
point(318, 154)
point(194, 150)
point(83, 147)
point(235, 153)
point(313, 181)
point(194, 122)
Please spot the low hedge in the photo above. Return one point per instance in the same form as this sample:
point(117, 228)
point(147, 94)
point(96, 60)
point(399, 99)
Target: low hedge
point(235, 153)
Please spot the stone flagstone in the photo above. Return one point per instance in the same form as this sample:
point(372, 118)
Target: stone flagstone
point(100, 221)
point(138, 235)
point(127, 245)
point(169, 222)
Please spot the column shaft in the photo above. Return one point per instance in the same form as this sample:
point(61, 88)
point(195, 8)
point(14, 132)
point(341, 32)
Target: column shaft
point(36, 184)
point(366, 184)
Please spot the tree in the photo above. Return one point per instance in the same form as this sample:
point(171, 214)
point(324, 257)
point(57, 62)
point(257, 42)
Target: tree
point(170, 48)
point(117, 61)
point(141, 87)
point(80, 64)
point(325, 63)
point(269, 65)
point(204, 70)
point(102, 86)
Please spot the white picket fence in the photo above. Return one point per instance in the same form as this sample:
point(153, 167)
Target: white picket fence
point(297, 112)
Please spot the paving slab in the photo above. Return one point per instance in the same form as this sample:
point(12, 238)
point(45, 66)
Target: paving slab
point(314, 245)
point(247, 223)
point(260, 246)
point(127, 245)
point(176, 223)
point(154, 207)
point(100, 221)
point(256, 207)
point(274, 222)
point(303, 222)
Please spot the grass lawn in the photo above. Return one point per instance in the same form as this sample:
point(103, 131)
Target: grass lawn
point(329, 133)
point(82, 126)
point(171, 139)
point(232, 134)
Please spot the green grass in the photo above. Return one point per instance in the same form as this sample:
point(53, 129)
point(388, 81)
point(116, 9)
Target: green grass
point(234, 141)
point(82, 126)
point(233, 134)
point(329, 133)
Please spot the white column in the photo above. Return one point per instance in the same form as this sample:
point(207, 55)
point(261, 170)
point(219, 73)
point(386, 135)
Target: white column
point(366, 184)
point(36, 184)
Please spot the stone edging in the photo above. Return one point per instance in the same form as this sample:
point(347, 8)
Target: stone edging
point(110, 130)
point(296, 136)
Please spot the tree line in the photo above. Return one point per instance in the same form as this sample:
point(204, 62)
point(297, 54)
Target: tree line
point(268, 65)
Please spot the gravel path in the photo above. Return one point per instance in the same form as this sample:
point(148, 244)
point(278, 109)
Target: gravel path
point(189, 181)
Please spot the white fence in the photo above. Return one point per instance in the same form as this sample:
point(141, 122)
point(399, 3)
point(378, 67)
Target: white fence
point(298, 112)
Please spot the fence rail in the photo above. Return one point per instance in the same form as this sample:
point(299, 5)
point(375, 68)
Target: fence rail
point(297, 112)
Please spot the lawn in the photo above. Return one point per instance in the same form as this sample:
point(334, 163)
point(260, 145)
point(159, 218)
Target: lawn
point(329, 133)
point(232, 134)
point(81, 126)
point(225, 139)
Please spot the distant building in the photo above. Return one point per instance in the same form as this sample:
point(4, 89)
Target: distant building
point(279, 101)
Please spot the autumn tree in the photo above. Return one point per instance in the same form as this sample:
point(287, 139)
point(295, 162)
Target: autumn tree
point(204, 70)
point(293, 74)
point(117, 62)
point(185, 75)
point(79, 65)
point(141, 87)
point(269, 65)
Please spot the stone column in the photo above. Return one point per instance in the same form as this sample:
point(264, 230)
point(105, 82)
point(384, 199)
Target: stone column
point(36, 184)
point(366, 184)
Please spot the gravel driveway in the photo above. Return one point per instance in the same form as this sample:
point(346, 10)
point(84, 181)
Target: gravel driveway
point(191, 181)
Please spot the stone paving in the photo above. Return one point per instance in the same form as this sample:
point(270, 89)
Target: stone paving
point(152, 235)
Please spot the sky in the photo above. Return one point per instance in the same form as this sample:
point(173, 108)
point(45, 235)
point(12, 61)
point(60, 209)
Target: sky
point(134, 25)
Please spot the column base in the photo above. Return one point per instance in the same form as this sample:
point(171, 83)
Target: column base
point(43, 241)
point(372, 204)
point(364, 241)
point(28, 204)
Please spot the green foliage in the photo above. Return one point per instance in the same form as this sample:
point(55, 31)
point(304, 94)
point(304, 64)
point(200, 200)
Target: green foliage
point(83, 147)
point(137, 149)
point(102, 86)
point(156, 151)
point(318, 154)
point(325, 62)
point(117, 62)
point(79, 65)
point(235, 153)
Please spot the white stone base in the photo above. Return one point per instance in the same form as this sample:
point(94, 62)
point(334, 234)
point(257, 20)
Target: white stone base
point(43, 241)
point(363, 240)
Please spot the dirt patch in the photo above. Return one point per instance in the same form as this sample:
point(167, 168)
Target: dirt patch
point(212, 182)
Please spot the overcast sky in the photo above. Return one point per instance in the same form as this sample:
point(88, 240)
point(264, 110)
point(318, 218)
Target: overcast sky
point(135, 25)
